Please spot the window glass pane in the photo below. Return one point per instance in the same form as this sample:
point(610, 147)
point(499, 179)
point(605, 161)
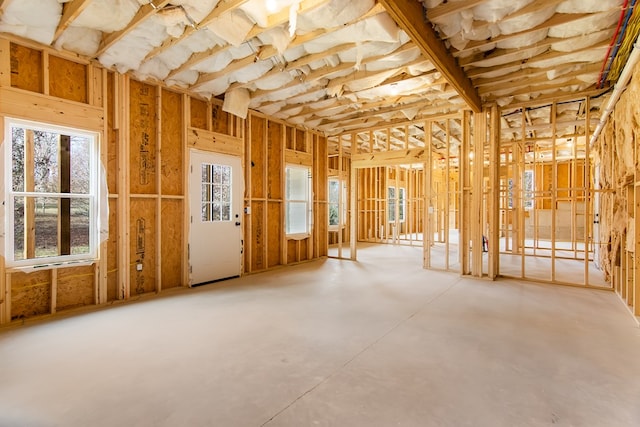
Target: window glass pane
point(217, 174)
point(80, 226)
point(334, 190)
point(206, 212)
point(206, 173)
point(216, 211)
point(217, 193)
point(297, 184)
point(46, 222)
point(333, 214)
point(226, 212)
point(296, 218)
point(226, 194)
point(226, 175)
point(45, 156)
point(18, 224)
point(17, 151)
point(80, 165)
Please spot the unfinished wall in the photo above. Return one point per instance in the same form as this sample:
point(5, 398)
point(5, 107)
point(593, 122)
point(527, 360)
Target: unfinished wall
point(618, 196)
point(146, 132)
point(271, 145)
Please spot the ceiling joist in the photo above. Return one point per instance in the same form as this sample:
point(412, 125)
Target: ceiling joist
point(410, 16)
point(70, 11)
point(143, 14)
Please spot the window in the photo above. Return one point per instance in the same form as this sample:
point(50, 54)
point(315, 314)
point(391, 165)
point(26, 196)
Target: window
point(528, 186)
point(51, 194)
point(335, 193)
point(391, 203)
point(216, 193)
point(298, 200)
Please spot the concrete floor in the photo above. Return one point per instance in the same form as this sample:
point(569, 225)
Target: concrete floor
point(334, 343)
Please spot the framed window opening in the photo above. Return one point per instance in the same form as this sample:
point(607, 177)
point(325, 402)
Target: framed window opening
point(298, 201)
point(51, 194)
point(337, 199)
point(391, 203)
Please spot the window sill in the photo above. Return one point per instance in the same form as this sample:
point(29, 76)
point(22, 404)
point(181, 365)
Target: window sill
point(300, 236)
point(51, 266)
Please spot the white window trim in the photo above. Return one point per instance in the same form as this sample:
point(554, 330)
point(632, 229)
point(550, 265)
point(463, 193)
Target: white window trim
point(309, 202)
point(8, 194)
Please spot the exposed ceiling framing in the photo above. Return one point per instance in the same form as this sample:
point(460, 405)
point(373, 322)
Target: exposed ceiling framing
point(339, 65)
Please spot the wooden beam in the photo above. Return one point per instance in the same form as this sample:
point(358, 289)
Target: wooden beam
point(449, 8)
point(143, 14)
point(231, 68)
point(410, 16)
point(70, 12)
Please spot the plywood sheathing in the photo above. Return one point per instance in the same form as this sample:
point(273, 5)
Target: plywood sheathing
point(67, 79)
point(143, 138)
point(26, 68)
point(199, 114)
point(172, 238)
point(30, 294)
point(112, 251)
point(171, 170)
point(142, 249)
point(75, 287)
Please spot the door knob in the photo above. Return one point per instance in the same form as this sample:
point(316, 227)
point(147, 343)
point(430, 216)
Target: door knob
point(237, 223)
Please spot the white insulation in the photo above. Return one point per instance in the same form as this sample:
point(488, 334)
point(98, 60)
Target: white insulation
point(299, 56)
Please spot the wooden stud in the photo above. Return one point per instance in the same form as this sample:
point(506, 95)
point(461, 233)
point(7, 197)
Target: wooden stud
point(122, 113)
point(428, 197)
point(494, 194)
point(588, 193)
point(158, 178)
point(54, 290)
point(99, 96)
point(477, 216)
point(554, 189)
point(467, 195)
point(5, 62)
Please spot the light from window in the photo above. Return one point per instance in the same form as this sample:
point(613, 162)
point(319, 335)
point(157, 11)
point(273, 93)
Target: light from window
point(391, 204)
point(51, 194)
point(334, 202)
point(216, 193)
point(298, 200)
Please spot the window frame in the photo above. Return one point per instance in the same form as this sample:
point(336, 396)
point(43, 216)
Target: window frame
point(9, 196)
point(308, 202)
point(342, 195)
point(401, 201)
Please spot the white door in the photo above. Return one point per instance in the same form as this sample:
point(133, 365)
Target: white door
point(215, 239)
